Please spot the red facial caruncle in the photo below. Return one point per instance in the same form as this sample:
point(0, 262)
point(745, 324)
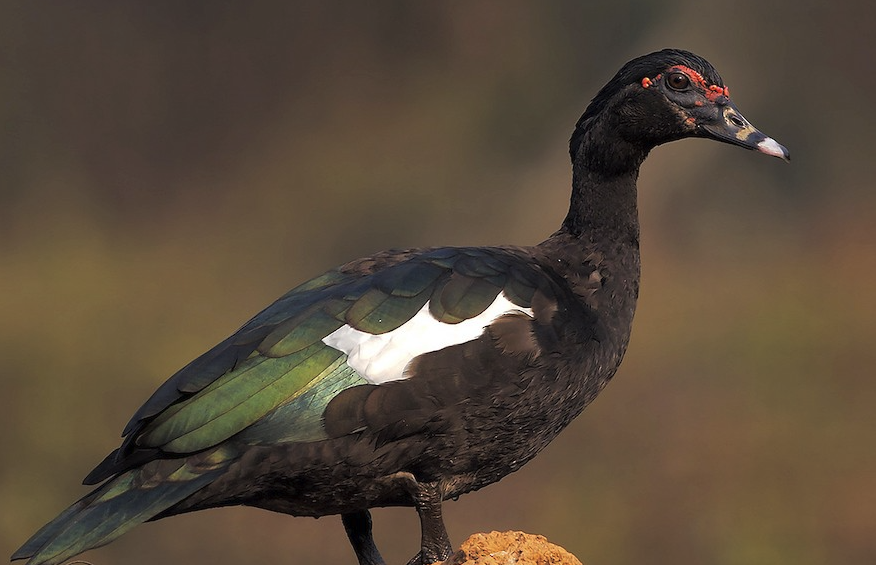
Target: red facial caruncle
point(711, 91)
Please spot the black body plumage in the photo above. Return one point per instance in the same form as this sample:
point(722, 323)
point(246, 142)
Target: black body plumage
point(297, 412)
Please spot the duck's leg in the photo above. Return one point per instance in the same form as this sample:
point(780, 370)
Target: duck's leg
point(435, 543)
point(358, 527)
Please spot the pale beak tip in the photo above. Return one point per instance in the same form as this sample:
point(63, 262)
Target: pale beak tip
point(770, 146)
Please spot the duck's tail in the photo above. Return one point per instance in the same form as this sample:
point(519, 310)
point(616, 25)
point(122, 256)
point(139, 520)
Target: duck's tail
point(119, 504)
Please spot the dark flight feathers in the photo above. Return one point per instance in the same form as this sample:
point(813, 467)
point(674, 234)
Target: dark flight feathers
point(277, 360)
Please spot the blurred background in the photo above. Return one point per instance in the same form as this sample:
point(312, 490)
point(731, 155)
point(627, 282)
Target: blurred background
point(167, 169)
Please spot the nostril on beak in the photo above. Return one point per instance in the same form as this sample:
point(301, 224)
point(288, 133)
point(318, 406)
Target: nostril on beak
point(737, 120)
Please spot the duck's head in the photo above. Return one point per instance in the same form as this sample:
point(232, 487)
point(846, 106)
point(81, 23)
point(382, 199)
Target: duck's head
point(661, 97)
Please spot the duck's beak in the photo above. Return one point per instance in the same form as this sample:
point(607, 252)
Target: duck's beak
point(732, 127)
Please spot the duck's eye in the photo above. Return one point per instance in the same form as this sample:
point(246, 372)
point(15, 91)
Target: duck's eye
point(678, 81)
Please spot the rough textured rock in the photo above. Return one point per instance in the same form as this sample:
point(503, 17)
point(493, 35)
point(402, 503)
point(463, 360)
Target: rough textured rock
point(510, 548)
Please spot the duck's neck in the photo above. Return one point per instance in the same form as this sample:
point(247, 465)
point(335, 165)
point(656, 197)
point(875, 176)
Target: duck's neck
point(603, 208)
point(605, 167)
point(600, 234)
point(596, 250)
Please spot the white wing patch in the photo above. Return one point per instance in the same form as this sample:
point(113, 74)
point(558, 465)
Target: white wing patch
point(382, 358)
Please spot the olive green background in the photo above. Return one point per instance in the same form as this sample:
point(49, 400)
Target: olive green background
point(169, 168)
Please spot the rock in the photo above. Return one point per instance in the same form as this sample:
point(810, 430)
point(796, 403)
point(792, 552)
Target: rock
point(510, 548)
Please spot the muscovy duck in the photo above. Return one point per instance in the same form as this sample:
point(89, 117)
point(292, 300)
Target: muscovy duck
point(413, 376)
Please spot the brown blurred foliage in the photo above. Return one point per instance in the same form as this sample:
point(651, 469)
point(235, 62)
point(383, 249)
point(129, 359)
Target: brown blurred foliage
point(169, 168)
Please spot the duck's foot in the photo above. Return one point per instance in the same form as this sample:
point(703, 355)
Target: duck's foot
point(358, 527)
point(434, 543)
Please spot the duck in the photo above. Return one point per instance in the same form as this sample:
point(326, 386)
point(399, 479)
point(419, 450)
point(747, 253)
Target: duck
point(413, 376)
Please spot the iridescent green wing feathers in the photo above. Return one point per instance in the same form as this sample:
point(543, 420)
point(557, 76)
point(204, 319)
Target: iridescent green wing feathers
point(274, 376)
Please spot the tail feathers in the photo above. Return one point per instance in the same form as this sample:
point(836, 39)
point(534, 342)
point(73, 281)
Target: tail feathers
point(118, 505)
